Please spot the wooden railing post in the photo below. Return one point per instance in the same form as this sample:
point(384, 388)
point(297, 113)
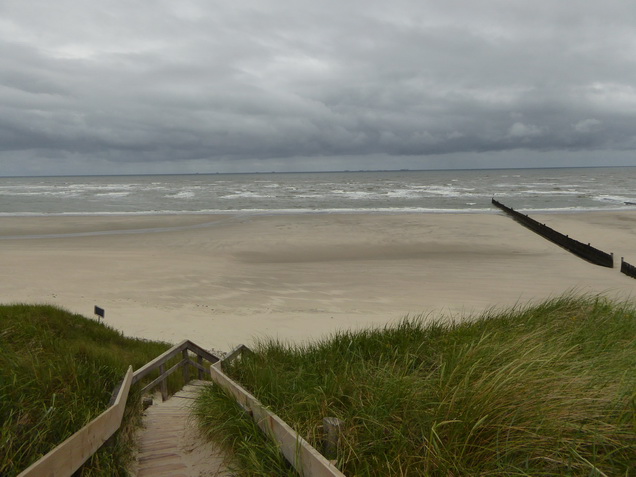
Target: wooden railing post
point(164, 383)
point(186, 366)
point(332, 428)
point(200, 371)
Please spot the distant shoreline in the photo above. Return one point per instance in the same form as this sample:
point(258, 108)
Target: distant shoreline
point(292, 212)
point(345, 171)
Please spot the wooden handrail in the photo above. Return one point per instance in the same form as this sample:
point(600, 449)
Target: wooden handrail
point(307, 461)
point(74, 451)
point(235, 353)
point(171, 353)
point(69, 456)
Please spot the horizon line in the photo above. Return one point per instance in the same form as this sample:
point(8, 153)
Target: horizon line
point(343, 171)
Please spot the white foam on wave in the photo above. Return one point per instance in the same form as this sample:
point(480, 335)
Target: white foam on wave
point(539, 184)
point(575, 209)
point(301, 211)
point(112, 194)
point(615, 198)
point(444, 191)
point(545, 192)
point(357, 194)
point(259, 211)
point(310, 196)
point(404, 194)
point(47, 193)
point(246, 195)
point(184, 194)
point(373, 210)
point(87, 187)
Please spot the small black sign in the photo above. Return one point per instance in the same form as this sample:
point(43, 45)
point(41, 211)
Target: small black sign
point(99, 311)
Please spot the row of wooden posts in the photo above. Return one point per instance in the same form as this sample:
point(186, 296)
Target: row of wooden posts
point(627, 268)
point(70, 455)
point(585, 251)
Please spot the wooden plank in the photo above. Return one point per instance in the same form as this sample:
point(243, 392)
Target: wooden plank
point(169, 440)
point(69, 456)
point(307, 461)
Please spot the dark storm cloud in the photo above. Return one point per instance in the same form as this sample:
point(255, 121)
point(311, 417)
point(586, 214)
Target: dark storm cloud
point(171, 82)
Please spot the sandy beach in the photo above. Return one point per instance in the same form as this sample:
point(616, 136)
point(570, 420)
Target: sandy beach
point(225, 280)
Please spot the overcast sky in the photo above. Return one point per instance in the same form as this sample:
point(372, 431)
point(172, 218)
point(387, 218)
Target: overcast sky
point(127, 86)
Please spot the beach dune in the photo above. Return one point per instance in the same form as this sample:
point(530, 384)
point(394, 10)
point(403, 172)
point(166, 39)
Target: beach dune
point(223, 280)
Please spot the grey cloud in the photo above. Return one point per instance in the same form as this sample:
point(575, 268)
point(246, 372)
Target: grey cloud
point(171, 82)
point(586, 126)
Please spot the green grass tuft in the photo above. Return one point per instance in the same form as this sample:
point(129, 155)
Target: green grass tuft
point(57, 372)
point(543, 390)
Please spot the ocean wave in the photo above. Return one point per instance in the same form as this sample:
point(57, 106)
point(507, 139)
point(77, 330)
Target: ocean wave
point(404, 194)
point(550, 192)
point(184, 194)
point(425, 191)
point(41, 193)
point(112, 194)
point(304, 211)
point(616, 199)
point(246, 195)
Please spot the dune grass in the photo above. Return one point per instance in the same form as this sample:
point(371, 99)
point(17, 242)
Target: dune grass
point(543, 390)
point(57, 372)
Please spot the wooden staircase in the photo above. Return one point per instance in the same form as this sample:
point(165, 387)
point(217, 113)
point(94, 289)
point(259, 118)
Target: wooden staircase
point(169, 443)
point(65, 459)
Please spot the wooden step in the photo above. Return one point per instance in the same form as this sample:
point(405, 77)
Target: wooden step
point(170, 444)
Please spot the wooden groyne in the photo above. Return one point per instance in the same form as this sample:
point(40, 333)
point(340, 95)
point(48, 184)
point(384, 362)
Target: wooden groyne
point(580, 249)
point(628, 269)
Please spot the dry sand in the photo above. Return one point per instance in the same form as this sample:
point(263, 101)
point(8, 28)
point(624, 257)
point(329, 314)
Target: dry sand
point(225, 280)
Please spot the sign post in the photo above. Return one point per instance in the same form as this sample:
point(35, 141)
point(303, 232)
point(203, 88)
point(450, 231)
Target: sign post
point(99, 312)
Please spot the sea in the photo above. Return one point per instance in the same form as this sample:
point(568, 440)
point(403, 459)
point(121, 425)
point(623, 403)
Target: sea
point(451, 191)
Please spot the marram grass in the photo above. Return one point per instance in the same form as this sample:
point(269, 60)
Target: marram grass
point(57, 372)
point(537, 391)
